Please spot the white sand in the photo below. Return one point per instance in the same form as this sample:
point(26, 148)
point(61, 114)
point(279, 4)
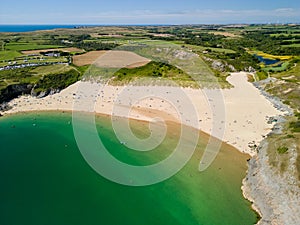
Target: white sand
point(245, 109)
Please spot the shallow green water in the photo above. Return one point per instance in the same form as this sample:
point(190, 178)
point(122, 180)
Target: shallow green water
point(45, 180)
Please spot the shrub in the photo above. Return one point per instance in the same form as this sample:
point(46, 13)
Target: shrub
point(262, 75)
point(282, 149)
point(295, 126)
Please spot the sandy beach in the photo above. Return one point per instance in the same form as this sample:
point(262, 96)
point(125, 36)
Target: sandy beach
point(238, 116)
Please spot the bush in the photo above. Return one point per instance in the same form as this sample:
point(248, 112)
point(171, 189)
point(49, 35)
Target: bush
point(262, 75)
point(152, 69)
point(282, 149)
point(295, 126)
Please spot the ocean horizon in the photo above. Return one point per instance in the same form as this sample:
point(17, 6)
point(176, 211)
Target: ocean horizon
point(37, 27)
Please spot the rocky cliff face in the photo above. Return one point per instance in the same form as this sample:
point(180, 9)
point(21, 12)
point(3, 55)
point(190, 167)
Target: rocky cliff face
point(13, 91)
point(42, 94)
point(276, 195)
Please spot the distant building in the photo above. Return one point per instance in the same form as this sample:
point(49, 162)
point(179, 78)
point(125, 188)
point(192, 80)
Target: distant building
point(51, 54)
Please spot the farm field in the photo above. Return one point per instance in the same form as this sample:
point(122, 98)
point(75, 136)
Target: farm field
point(87, 58)
point(110, 59)
point(202, 48)
point(71, 50)
point(9, 55)
point(17, 46)
point(44, 70)
point(291, 46)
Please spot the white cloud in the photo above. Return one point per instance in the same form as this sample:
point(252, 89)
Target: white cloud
point(284, 10)
point(200, 13)
point(162, 17)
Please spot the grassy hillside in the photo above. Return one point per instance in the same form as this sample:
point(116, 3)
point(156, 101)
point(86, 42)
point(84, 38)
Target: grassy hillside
point(283, 145)
point(156, 70)
point(43, 78)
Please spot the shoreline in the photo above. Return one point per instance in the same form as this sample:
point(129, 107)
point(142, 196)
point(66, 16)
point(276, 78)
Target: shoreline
point(275, 196)
point(243, 124)
point(246, 120)
point(228, 170)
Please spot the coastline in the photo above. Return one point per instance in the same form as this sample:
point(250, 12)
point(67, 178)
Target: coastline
point(246, 124)
point(226, 181)
point(274, 195)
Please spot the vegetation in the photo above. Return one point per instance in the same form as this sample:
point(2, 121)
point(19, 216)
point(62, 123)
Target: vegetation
point(44, 70)
point(261, 75)
point(282, 149)
point(43, 78)
point(270, 56)
point(9, 55)
point(263, 41)
point(23, 75)
point(56, 81)
point(80, 41)
point(157, 70)
point(295, 125)
point(291, 46)
point(286, 87)
point(17, 46)
point(221, 49)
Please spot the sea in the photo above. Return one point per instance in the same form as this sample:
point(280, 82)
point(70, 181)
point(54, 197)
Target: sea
point(45, 180)
point(29, 28)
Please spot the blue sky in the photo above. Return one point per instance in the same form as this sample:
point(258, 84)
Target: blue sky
point(148, 12)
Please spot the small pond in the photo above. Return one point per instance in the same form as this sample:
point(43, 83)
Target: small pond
point(266, 61)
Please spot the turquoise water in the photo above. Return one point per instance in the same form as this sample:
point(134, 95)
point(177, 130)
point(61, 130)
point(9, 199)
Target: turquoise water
point(45, 180)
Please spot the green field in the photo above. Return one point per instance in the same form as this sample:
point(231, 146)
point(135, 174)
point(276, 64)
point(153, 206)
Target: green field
point(42, 70)
point(291, 46)
point(283, 67)
point(202, 48)
point(9, 55)
point(13, 50)
point(23, 46)
point(30, 74)
point(286, 35)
